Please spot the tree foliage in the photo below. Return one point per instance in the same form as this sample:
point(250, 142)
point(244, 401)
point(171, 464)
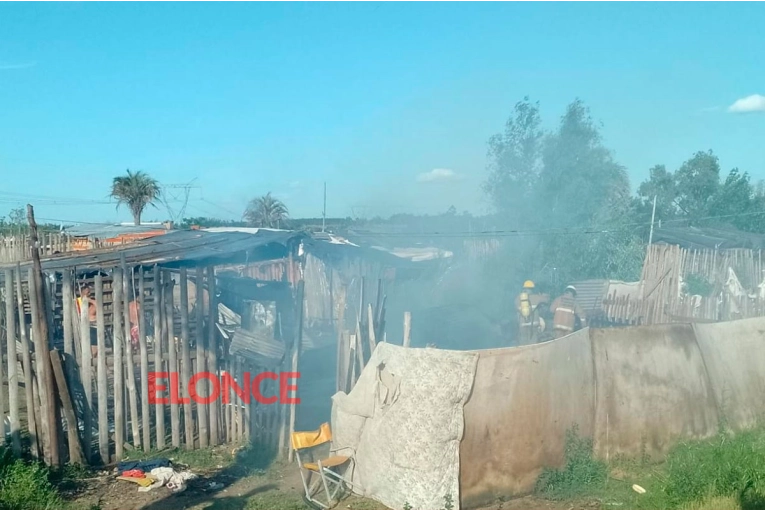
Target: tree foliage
point(557, 187)
point(136, 190)
point(695, 195)
point(266, 212)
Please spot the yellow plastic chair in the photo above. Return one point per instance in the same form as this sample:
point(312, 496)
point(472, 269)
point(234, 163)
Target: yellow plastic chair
point(325, 468)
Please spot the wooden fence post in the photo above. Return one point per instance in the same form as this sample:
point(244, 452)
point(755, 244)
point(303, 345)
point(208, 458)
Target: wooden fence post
point(102, 387)
point(26, 358)
point(119, 375)
point(175, 418)
point(13, 376)
point(212, 346)
point(145, 421)
point(188, 420)
point(159, 333)
point(201, 365)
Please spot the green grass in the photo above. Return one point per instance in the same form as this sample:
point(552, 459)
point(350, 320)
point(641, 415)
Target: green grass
point(276, 501)
point(723, 472)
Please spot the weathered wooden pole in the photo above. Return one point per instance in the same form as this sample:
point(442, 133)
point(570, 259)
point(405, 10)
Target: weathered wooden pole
point(26, 359)
point(201, 362)
point(42, 354)
point(188, 420)
point(13, 376)
point(212, 346)
point(119, 376)
point(145, 421)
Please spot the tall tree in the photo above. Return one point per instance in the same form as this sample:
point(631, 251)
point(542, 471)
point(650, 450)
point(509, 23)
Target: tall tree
point(660, 184)
point(697, 181)
point(266, 212)
point(136, 190)
point(514, 162)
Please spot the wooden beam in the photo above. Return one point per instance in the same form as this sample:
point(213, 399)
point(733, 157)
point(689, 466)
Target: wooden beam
point(75, 448)
point(42, 340)
point(407, 328)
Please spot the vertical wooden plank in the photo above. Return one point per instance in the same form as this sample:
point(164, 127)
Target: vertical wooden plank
point(13, 376)
point(145, 411)
point(237, 422)
point(229, 417)
point(248, 414)
point(119, 376)
point(75, 449)
point(159, 333)
point(67, 298)
point(371, 329)
point(102, 388)
point(188, 421)
point(201, 362)
point(135, 420)
point(297, 344)
point(212, 346)
point(48, 430)
point(407, 328)
point(26, 360)
point(175, 418)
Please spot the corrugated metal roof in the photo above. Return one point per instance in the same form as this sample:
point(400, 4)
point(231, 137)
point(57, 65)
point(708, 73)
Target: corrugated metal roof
point(180, 248)
point(109, 230)
point(590, 294)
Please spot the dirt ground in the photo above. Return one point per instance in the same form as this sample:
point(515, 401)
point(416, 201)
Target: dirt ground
point(276, 488)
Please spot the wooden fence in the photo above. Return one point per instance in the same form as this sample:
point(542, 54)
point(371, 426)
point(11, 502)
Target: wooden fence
point(729, 284)
point(15, 248)
point(83, 393)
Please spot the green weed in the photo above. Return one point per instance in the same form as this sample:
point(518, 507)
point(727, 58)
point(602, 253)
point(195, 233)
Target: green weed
point(722, 466)
point(580, 474)
point(26, 486)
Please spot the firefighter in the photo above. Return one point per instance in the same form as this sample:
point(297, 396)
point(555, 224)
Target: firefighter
point(566, 312)
point(530, 324)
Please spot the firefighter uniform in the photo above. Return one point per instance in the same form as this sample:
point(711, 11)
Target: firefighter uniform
point(566, 310)
point(530, 324)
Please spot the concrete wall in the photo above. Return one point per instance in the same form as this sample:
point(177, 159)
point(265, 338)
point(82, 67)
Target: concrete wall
point(632, 390)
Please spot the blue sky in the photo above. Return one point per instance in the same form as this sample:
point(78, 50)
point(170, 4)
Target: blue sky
point(246, 98)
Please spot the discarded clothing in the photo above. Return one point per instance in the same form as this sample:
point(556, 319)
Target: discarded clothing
point(144, 465)
point(134, 473)
point(143, 481)
point(170, 478)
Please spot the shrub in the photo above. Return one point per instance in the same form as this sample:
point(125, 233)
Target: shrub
point(27, 486)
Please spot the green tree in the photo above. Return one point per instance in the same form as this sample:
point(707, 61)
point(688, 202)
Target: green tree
point(514, 162)
point(266, 212)
point(660, 184)
point(136, 190)
point(585, 201)
point(696, 182)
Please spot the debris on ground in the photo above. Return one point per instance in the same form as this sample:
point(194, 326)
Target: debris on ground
point(155, 473)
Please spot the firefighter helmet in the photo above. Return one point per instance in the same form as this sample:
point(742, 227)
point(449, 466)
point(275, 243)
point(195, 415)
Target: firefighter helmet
point(528, 284)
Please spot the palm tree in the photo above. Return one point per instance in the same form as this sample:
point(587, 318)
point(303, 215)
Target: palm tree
point(136, 190)
point(266, 212)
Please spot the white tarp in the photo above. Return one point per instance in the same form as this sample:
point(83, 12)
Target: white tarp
point(404, 420)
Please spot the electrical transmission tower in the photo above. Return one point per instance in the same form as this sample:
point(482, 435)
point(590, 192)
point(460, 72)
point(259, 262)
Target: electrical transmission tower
point(173, 194)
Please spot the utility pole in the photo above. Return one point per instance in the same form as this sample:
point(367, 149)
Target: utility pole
point(653, 215)
point(324, 214)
